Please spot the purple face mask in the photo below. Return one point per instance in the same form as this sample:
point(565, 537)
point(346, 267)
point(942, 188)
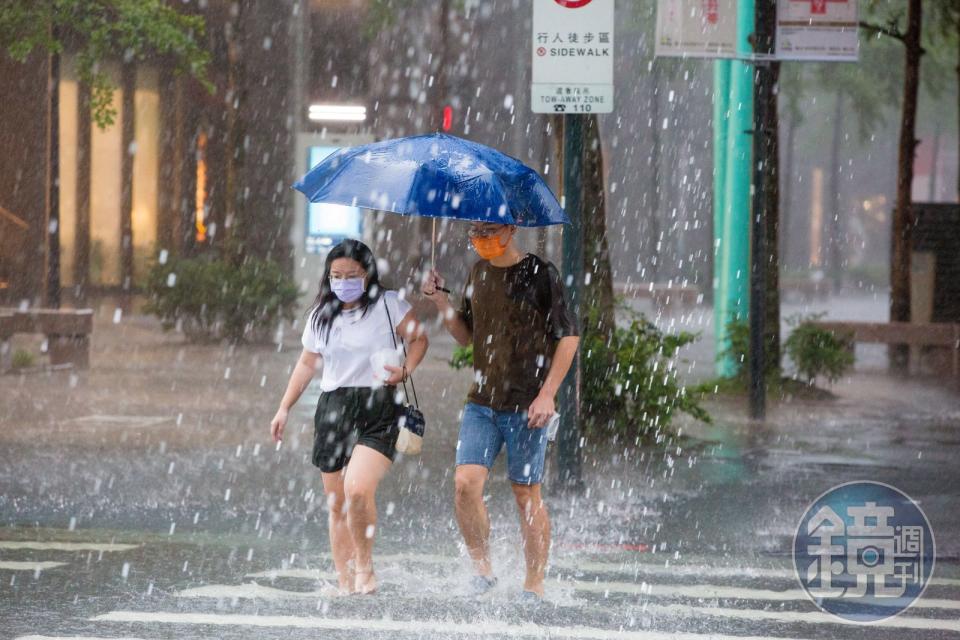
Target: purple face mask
point(347, 289)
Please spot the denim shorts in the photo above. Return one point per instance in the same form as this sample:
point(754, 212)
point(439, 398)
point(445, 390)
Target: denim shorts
point(484, 431)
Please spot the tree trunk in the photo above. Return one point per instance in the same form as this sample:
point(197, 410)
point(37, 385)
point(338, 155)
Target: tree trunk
point(81, 255)
point(786, 209)
point(598, 293)
point(902, 215)
point(833, 229)
point(53, 184)
point(653, 191)
point(128, 86)
point(227, 226)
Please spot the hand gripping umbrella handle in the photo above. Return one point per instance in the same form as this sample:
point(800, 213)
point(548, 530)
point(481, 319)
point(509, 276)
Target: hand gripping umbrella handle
point(433, 252)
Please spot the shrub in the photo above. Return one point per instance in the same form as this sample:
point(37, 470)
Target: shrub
point(816, 352)
point(22, 359)
point(210, 299)
point(630, 381)
point(738, 351)
point(462, 357)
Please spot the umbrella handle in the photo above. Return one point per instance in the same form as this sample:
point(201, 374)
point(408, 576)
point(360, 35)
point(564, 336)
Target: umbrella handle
point(433, 252)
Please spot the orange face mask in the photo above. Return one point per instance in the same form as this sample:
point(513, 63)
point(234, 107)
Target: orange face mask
point(489, 248)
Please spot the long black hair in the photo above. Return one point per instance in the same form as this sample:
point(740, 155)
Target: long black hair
point(327, 305)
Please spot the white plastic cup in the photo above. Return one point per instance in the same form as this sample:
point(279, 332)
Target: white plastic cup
point(382, 358)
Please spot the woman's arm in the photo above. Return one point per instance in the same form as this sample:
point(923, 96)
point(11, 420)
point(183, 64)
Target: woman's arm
point(299, 379)
point(412, 332)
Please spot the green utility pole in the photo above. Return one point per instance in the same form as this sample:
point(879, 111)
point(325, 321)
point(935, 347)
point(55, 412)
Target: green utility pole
point(732, 261)
point(721, 108)
point(568, 445)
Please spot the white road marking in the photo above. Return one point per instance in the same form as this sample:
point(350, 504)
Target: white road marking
point(735, 593)
point(248, 590)
point(700, 570)
point(300, 574)
point(475, 628)
point(253, 590)
point(629, 566)
point(790, 617)
point(16, 565)
point(66, 546)
point(71, 638)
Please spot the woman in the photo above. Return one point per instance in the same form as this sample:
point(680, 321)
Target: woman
point(356, 423)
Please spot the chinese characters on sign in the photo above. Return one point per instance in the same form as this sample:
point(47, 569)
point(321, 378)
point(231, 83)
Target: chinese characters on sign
point(817, 30)
point(864, 551)
point(572, 56)
point(697, 28)
point(824, 30)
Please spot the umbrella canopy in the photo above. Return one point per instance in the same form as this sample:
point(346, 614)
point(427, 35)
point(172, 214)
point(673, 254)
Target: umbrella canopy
point(437, 176)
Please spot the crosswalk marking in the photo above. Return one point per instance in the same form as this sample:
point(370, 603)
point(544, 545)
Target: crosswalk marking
point(628, 566)
point(72, 638)
point(817, 617)
point(702, 570)
point(253, 590)
point(733, 593)
point(485, 627)
point(37, 545)
point(627, 587)
point(248, 590)
point(17, 565)
point(299, 574)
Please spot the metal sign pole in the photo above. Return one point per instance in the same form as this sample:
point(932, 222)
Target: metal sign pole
point(764, 34)
point(568, 449)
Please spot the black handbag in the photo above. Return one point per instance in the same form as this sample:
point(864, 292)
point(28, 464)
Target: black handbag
point(411, 419)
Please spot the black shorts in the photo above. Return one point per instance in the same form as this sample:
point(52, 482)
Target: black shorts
point(350, 416)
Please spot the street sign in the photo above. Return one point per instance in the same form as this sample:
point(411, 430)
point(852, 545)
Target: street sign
point(572, 48)
point(823, 30)
point(696, 28)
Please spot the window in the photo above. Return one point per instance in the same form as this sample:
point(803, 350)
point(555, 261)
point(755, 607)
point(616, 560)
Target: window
point(328, 224)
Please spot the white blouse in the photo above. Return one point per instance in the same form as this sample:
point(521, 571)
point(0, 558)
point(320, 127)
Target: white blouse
point(352, 339)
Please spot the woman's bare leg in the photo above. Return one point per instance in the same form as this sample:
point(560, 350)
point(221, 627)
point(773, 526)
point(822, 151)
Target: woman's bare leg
point(364, 472)
point(341, 542)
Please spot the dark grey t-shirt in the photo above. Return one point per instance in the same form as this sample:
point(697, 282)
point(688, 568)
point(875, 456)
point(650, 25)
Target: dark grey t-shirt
point(517, 315)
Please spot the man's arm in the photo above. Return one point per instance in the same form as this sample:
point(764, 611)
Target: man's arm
point(544, 405)
point(452, 319)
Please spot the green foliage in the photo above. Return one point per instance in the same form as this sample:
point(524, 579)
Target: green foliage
point(630, 380)
point(22, 359)
point(101, 30)
point(738, 349)
point(462, 357)
point(212, 299)
point(816, 352)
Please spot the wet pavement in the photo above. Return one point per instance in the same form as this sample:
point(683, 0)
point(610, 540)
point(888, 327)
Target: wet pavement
point(143, 499)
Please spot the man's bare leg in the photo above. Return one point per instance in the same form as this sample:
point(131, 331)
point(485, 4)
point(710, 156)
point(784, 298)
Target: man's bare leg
point(535, 529)
point(472, 517)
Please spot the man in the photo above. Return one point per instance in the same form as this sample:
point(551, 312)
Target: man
point(524, 339)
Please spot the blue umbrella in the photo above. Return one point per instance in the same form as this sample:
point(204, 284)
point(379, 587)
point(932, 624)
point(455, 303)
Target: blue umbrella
point(435, 175)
